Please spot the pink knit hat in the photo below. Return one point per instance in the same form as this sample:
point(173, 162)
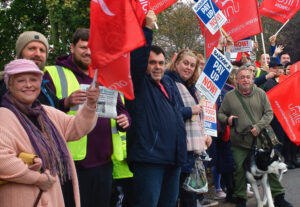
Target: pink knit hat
point(20, 66)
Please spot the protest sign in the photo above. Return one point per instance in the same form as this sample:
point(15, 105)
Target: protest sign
point(214, 76)
point(210, 118)
point(205, 12)
point(242, 46)
point(243, 21)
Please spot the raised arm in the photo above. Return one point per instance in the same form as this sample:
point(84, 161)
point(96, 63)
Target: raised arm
point(139, 57)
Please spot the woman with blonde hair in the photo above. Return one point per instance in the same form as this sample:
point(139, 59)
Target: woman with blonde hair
point(183, 74)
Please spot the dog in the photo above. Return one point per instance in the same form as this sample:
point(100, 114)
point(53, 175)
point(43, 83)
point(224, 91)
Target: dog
point(257, 166)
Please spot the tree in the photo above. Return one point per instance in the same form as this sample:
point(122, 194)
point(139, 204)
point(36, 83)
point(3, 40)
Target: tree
point(56, 19)
point(178, 29)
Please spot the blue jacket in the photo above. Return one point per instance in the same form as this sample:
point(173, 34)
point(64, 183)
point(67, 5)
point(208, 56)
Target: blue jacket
point(186, 112)
point(157, 133)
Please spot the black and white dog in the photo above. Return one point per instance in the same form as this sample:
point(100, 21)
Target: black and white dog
point(257, 166)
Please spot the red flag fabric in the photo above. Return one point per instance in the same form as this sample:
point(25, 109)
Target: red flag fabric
point(295, 67)
point(114, 31)
point(282, 78)
point(280, 10)
point(285, 102)
point(122, 82)
point(239, 55)
point(243, 21)
point(257, 63)
point(159, 5)
point(141, 8)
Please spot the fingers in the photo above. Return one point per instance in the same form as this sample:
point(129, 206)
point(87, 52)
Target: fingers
point(122, 121)
point(92, 95)
point(151, 19)
point(45, 181)
point(254, 131)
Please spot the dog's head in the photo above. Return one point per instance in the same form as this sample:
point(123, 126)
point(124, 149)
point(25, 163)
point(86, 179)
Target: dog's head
point(269, 161)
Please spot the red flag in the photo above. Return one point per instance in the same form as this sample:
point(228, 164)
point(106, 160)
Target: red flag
point(141, 8)
point(280, 10)
point(114, 31)
point(295, 67)
point(122, 82)
point(243, 21)
point(159, 5)
point(285, 102)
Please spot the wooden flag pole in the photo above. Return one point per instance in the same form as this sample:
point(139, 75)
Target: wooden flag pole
point(215, 17)
point(281, 27)
point(200, 103)
point(264, 48)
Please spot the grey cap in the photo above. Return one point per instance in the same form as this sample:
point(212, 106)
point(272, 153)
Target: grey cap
point(27, 37)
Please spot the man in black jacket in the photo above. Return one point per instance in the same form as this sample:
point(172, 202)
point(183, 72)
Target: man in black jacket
point(156, 143)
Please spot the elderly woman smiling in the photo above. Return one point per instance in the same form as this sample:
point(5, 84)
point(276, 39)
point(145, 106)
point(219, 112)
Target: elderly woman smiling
point(27, 126)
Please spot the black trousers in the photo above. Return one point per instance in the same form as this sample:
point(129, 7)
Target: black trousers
point(122, 193)
point(95, 185)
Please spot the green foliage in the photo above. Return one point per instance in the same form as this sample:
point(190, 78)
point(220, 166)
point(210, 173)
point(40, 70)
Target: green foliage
point(56, 19)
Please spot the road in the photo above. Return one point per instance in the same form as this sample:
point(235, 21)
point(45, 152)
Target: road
point(291, 183)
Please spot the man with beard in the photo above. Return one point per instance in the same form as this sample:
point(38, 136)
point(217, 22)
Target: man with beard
point(34, 46)
point(232, 113)
point(92, 154)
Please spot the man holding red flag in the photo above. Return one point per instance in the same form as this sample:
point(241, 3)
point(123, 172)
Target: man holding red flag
point(156, 140)
point(92, 154)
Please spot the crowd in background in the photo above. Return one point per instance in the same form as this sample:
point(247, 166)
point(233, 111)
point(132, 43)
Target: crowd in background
point(146, 166)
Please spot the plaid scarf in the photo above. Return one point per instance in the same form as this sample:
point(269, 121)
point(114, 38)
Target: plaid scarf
point(47, 142)
point(194, 129)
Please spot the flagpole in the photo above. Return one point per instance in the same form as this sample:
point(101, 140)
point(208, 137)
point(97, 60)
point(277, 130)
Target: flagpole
point(255, 39)
point(282, 27)
point(264, 48)
point(215, 17)
point(95, 78)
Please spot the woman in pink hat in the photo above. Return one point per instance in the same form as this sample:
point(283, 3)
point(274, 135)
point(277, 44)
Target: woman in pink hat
point(27, 126)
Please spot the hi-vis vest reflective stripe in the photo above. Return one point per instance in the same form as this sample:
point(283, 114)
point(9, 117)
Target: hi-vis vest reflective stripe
point(65, 83)
point(121, 169)
point(118, 140)
point(258, 72)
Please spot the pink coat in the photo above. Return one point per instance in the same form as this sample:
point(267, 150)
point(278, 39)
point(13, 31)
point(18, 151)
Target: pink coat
point(21, 189)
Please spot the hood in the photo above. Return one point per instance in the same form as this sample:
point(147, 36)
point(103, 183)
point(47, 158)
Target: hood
point(174, 76)
point(66, 61)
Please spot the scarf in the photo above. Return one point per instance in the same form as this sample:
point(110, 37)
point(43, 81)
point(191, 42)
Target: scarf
point(47, 142)
point(194, 129)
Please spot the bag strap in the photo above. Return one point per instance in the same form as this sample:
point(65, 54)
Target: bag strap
point(254, 143)
point(244, 106)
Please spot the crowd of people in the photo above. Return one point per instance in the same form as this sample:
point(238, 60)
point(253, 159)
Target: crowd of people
point(81, 159)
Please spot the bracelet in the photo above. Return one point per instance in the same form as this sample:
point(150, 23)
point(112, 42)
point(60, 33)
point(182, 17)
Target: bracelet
point(48, 176)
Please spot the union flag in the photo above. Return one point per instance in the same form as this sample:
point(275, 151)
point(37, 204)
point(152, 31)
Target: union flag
point(114, 32)
point(279, 10)
point(285, 102)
